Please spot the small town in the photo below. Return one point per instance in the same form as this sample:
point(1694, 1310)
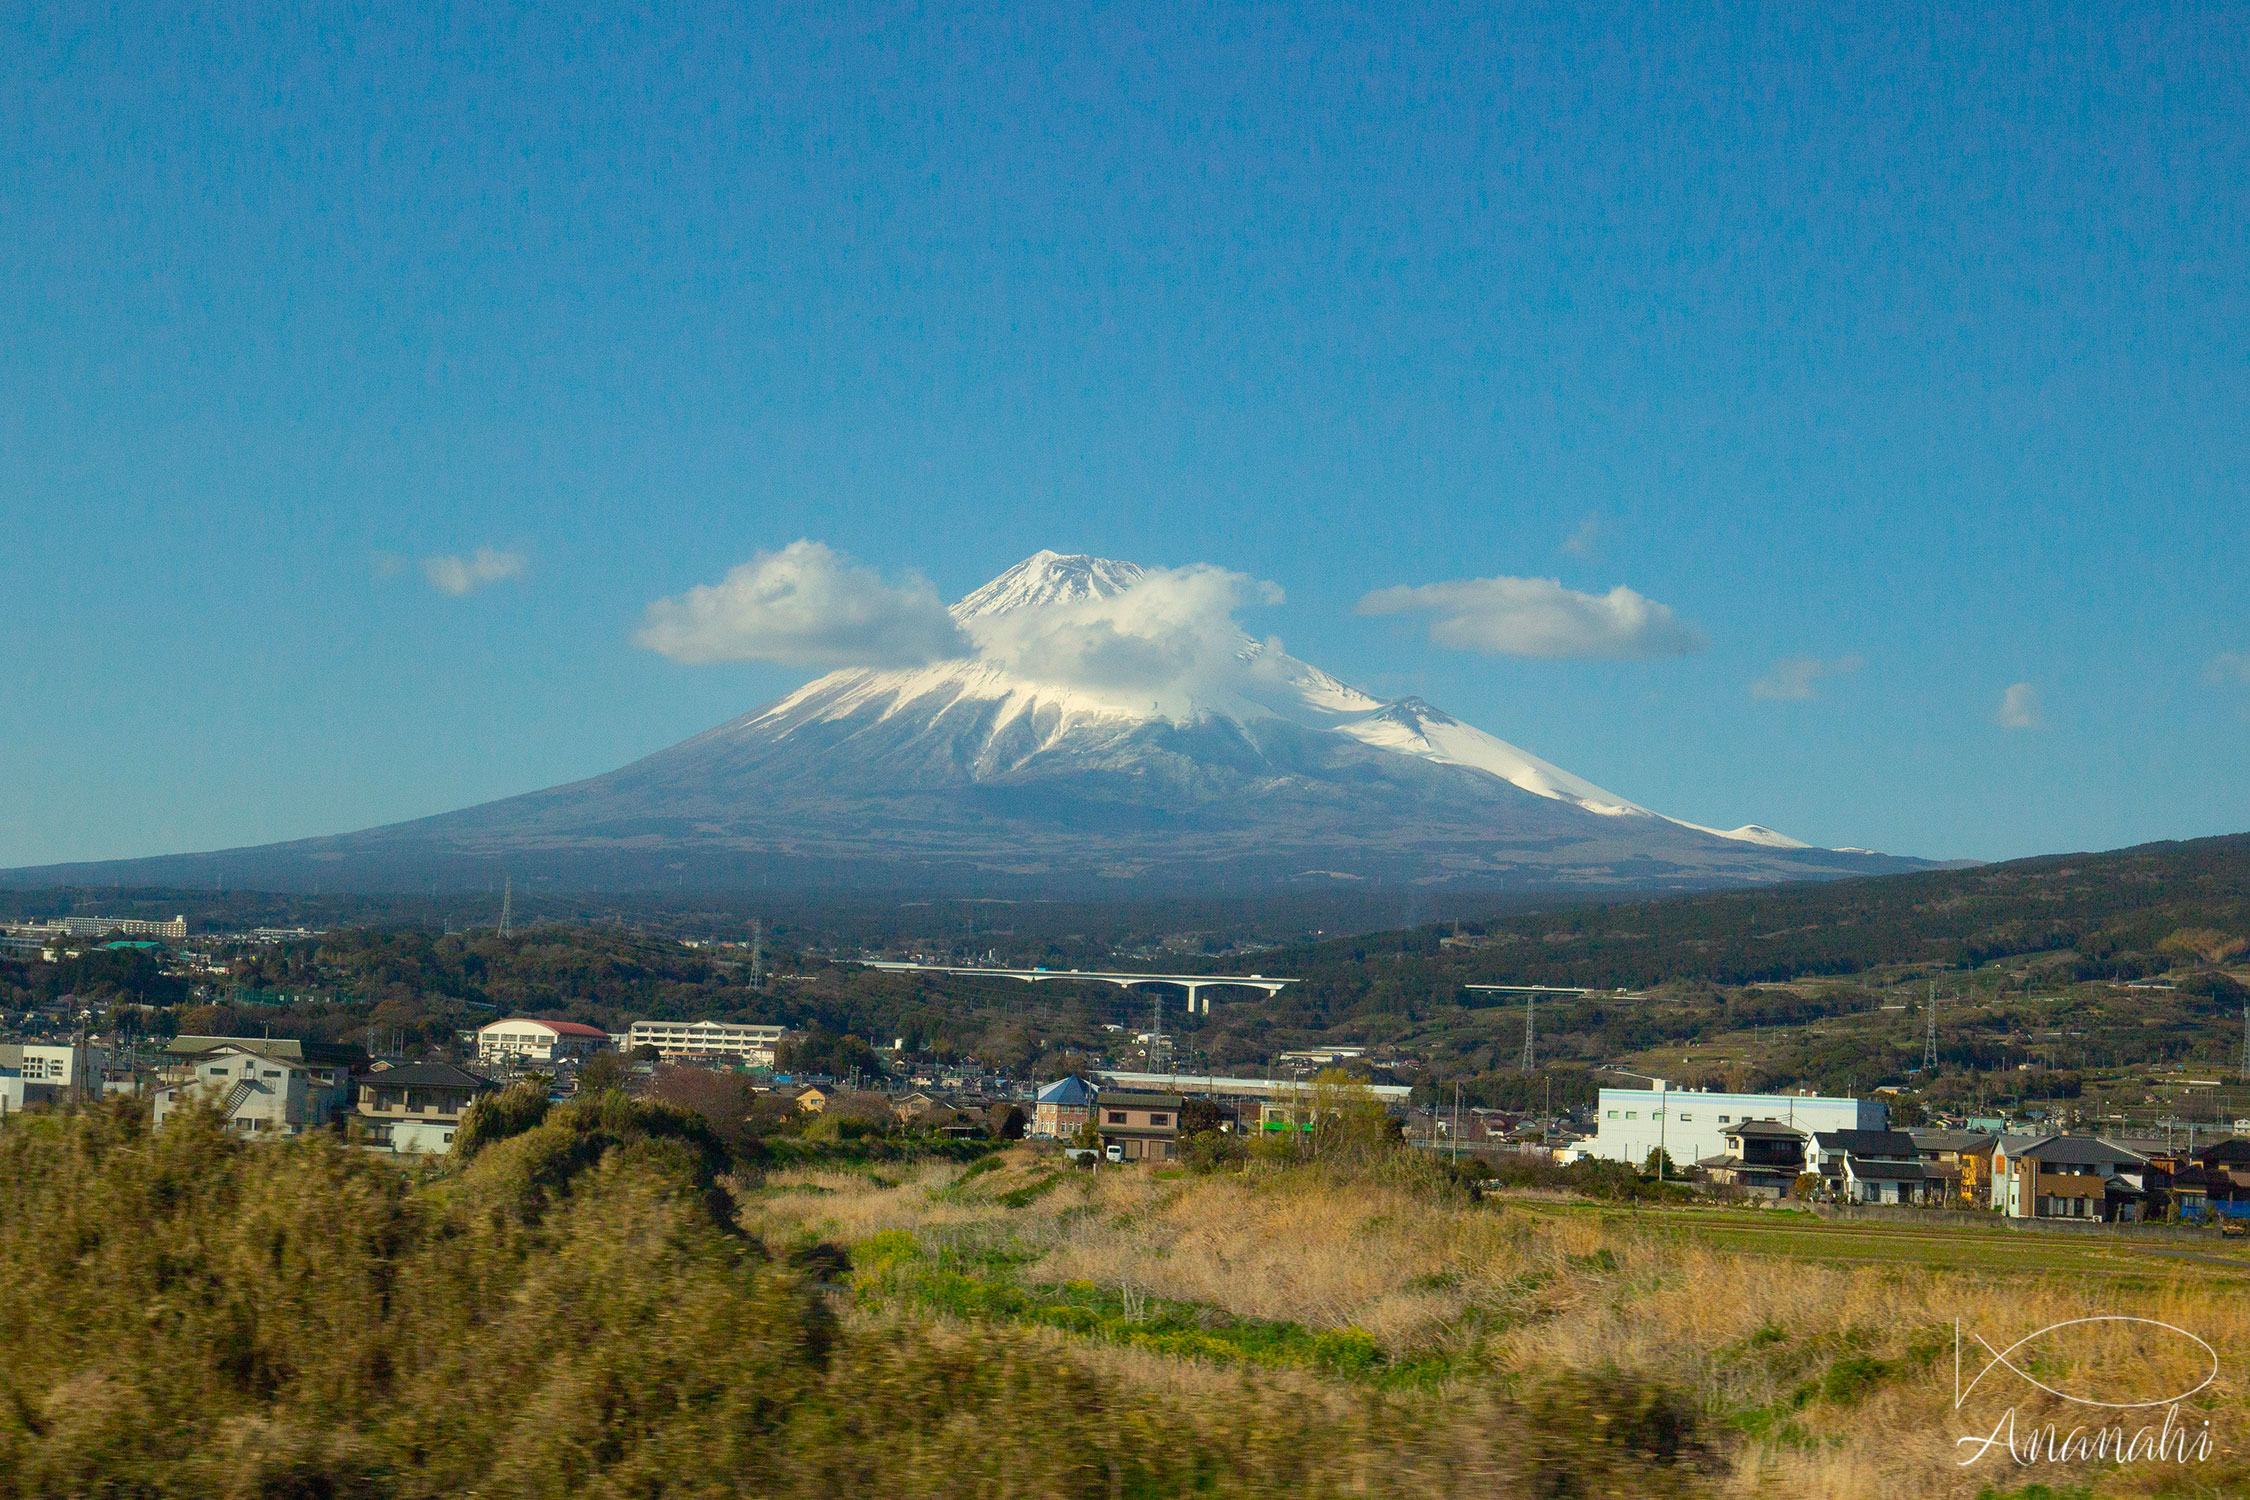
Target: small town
point(1125, 752)
point(1800, 1147)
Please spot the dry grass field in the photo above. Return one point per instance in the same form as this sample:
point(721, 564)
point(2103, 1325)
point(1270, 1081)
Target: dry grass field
point(1813, 1360)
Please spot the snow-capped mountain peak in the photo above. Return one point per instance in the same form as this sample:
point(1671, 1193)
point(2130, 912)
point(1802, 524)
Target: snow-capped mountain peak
point(1003, 693)
point(1048, 577)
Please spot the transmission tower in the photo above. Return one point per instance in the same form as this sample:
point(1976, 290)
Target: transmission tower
point(1929, 1046)
point(2246, 1039)
point(1530, 1031)
point(507, 904)
point(758, 954)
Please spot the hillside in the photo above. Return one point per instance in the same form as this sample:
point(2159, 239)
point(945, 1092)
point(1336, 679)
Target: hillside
point(2115, 913)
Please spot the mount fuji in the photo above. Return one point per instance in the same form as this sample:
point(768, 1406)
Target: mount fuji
point(1099, 727)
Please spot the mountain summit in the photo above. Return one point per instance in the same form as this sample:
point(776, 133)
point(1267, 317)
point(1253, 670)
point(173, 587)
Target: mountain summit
point(1104, 725)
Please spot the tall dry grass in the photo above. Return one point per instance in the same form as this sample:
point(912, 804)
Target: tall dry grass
point(1838, 1379)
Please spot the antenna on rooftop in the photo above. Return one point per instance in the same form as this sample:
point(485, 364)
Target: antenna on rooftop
point(507, 904)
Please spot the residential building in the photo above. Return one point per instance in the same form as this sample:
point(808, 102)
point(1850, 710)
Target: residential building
point(260, 1095)
point(751, 1045)
point(1826, 1150)
point(50, 1073)
point(1061, 1108)
point(1690, 1125)
point(1882, 1180)
point(2226, 1169)
point(330, 1063)
point(1762, 1158)
point(521, 1041)
point(1145, 1126)
point(413, 1109)
point(2063, 1177)
point(1960, 1162)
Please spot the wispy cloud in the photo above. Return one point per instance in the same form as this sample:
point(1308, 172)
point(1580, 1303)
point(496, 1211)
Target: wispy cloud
point(1793, 677)
point(1587, 539)
point(804, 606)
point(465, 575)
point(2020, 708)
point(1539, 617)
point(2228, 669)
point(1167, 639)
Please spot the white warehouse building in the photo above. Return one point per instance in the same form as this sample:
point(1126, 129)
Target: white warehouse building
point(1688, 1124)
point(753, 1045)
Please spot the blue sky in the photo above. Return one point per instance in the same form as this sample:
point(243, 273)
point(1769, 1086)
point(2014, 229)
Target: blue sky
point(1916, 343)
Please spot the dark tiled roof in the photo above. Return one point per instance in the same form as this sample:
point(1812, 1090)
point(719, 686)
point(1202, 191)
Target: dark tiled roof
point(278, 1048)
point(1951, 1140)
point(427, 1075)
point(1118, 1099)
point(1764, 1128)
point(1890, 1143)
point(2079, 1150)
point(1888, 1171)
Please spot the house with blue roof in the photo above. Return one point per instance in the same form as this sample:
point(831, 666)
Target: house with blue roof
point(1062, 1107)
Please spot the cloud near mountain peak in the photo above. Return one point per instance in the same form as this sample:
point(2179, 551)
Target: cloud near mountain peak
point(1170, 636)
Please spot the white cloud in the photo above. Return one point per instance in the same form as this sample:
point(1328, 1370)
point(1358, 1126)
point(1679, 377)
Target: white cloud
point(2019, 708)
point(465, 575)
point(1539, 617)
point(1587, 539)
point(1170, 639)
point(804, 606)
point(2228, 669)
point(1792, 677)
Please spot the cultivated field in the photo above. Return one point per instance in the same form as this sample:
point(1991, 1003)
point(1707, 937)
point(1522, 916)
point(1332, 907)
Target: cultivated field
point(1751, 1352)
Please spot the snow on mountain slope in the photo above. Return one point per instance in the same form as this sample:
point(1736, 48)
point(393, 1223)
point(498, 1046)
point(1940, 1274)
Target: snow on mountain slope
point(1050, 578)
point(1261, 681)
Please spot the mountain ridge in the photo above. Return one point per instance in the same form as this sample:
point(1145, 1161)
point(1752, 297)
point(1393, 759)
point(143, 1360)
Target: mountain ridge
point(1030, 761)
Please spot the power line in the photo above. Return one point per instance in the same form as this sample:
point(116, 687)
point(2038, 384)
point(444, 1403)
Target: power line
point(1929, 1047)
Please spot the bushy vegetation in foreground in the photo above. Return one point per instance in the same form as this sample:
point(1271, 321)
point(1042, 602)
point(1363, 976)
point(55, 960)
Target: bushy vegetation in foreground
point(572, 1311)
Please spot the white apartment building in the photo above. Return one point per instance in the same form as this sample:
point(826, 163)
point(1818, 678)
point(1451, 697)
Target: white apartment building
point(60, 927)
point(1687, 1124)
point(753, 1045)
point(520, 1040)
